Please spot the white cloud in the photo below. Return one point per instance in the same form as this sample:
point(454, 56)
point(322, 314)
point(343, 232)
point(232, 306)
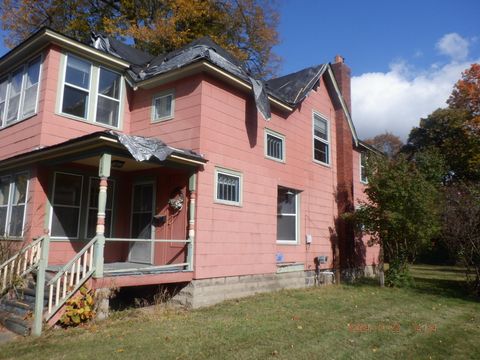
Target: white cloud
point(454, 46)
point(395, 100)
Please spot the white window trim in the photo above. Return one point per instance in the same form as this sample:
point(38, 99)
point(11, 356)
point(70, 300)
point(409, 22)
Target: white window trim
point(9, 205)
point(52, 204)
point(228, 172)
point(297, 220)
point(92, 93)
point(96, 207)
point(327, 142)
point(8, 77)
point(278, 136)
point(170, 92)
point(360, 166)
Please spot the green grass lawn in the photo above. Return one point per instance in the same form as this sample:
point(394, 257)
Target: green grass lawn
point(433, 320)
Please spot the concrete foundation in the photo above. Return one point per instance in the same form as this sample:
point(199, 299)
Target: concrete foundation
point(206, 292)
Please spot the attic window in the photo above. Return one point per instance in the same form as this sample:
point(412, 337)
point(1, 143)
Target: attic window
point(163, 106)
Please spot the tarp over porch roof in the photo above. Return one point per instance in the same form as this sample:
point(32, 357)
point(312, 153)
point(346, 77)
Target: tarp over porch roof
point(139, 147)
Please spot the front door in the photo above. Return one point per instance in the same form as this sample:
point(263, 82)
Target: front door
point(143, 210)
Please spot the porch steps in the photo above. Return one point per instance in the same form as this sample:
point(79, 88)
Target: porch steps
point(17, 306)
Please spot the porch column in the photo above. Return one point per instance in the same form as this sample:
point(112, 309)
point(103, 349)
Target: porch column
point(192, 187)
point(103, 173)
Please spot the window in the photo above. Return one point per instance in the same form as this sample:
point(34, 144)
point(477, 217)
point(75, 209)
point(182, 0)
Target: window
point(92, 211)
point(67, 197)
point(274, 145)
point(287, 219)
point(108, 102)
point(228, 187)
point(76, 89)
point(13, 200)
point(80, 94)
point(363, 163)
point(163, 106)
point(19, 93)
point(321, 146)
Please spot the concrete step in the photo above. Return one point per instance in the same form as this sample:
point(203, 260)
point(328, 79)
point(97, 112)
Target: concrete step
point(15, 323)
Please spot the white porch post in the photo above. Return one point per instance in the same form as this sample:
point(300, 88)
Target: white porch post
point(103, 173)
point(192, 187)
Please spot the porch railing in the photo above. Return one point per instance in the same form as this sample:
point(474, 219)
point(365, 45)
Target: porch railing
point(188, 264)
point(20, 264)
point(70, 278)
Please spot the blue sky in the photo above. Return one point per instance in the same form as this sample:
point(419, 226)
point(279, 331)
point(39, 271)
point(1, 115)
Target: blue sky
point(405, 55)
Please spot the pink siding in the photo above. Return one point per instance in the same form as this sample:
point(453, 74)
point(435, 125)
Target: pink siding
point(372, 252)
point(222, 123)
point(241, 240)
point(183, 131)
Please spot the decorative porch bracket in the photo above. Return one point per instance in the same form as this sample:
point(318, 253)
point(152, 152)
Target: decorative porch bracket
point(192, 187)
point(104, 174)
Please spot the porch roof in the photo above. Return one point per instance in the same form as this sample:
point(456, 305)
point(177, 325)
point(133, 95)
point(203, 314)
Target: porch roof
point(140, 148)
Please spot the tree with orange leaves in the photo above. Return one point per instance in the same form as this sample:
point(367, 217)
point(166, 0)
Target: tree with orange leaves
point(246, 28)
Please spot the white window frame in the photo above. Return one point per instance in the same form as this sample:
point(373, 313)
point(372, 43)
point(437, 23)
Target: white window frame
point(8, 78)
point(233, 173)
point(9, 205)
point(362, 167)
point(160, 95)
point(326, 142)
point(96, 207)
point(269, 132)
point(93, 93)
point(52, 205)
point(297, 218)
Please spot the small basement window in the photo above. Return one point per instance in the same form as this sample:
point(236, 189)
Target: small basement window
point(163, 106)
point(274, 145)
point(228, 187)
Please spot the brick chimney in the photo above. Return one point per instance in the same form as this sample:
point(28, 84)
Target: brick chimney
point(342, 74)
point(345, 235)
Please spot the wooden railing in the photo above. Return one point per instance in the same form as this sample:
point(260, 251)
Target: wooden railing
point(70, 278)
point(188, 264)
point(20, 264)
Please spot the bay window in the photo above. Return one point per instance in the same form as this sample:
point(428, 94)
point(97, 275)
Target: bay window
point(19, 93)
point(91, 92)
point(13, 200)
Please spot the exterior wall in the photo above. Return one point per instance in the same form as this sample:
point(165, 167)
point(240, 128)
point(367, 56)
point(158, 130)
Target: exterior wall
point(183, 131)
point(371, 252)
point(233, 240)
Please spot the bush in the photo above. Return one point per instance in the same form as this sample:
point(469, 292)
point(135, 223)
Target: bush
point(79, 309)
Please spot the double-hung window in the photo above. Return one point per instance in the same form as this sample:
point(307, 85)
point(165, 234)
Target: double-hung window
point(363, 170)
point(76, 89)
point(19, 93)
point(91, 92)
point(274, 145)
point(13, 200)
point(163, 106)
point(321, 140)
point(287, 215)
point(228, 187)
point(66, 205)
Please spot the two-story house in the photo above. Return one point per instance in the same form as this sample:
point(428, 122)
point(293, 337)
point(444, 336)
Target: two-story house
point(123, 169)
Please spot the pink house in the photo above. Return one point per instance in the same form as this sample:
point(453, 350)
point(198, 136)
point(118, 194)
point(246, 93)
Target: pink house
point(120, 169)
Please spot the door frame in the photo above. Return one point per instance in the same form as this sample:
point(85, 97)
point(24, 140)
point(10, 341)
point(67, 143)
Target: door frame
point(152, 227)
